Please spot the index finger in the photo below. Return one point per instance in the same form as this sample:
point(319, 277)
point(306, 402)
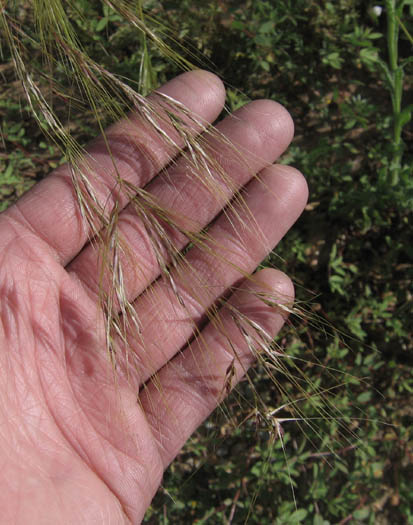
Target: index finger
point(51, 209)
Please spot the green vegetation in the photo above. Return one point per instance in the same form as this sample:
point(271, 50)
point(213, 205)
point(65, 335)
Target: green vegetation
point(345, 73)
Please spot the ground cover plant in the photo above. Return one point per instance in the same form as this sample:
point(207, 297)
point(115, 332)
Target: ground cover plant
point(343, 70)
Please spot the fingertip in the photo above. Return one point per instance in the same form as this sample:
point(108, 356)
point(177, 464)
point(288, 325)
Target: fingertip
point(275, 282)
point(289, 182)
point(212, 81)
point(200, 91)
point(266, 299)
point(273, 120)
point(263, 128)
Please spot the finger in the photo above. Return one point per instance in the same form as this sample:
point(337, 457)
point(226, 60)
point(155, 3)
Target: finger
point(239, 241)
point(261, 131)
point(51, 209)
point(190, 386)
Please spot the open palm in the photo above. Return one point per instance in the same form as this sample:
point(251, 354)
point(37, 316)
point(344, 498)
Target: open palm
point(78, 443)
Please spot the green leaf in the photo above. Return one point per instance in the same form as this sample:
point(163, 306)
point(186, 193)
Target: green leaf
point(374, 36)
point(262, 40)
point(236, 24)
point(319, 520)
point(406, 115)
point(298, 516)
point(369, 56)
point(406, 61)
point(361, 514)
point(364, 397)
point(386, 72)
point(267, 27)
point(103, 22)
point(333, 59)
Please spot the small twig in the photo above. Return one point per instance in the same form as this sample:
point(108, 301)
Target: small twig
point(233, 507)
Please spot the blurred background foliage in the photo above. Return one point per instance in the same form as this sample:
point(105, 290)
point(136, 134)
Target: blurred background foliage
point(351, 253)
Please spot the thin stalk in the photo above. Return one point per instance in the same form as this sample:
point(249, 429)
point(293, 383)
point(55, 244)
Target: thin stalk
point(392, 10)
point(146, 75)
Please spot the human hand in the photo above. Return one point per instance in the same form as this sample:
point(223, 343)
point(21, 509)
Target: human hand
point(75, 444)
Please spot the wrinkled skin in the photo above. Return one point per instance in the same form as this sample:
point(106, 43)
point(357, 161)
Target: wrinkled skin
point(76, 443)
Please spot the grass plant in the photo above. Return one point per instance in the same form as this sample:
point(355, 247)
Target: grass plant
point(394, 76)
